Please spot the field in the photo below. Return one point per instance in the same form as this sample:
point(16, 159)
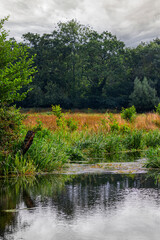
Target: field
point(96, 121)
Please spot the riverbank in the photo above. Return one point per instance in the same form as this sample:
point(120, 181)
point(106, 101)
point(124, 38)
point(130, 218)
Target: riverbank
point(102, 146)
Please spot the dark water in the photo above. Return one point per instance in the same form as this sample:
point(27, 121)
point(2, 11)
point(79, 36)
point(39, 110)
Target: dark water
point(83, 207)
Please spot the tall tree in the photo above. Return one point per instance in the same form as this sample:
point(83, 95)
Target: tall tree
point(16, 71)
point(144, 97)
point(102, 68)
point(16, 68)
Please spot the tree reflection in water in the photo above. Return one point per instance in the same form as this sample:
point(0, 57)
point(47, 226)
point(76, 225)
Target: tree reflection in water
point(65, 194)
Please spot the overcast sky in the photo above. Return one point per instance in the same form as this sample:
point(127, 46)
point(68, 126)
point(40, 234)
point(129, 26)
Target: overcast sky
point(132, 21)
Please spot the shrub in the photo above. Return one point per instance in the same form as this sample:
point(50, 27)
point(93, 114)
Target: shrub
point(158, 108)
point(10, 124)
point(61, 121)
point(72, 124)
point(125, 128)
point(114, 126)
point(128, 114)
point(57, 111)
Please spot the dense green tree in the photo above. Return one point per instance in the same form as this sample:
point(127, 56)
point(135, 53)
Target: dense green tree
point(16, 71)
point(79, 67)
point(145, 61)
point(144, 97)
point(15, 68)
point(104, 68)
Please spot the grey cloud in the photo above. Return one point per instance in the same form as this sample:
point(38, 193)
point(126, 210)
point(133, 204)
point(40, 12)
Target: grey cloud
point(66, 5)
point(132, 21)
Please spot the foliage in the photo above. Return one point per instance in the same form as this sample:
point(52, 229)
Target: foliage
point(16, 165)
point(10, 129)
point(153, 158)
point(76, 66)
point(144, 97)
point(51, 150)
point(47, 152)
point(16, 68)
point(125, 128)
point(134, 140)
point(128, 114)
point(72, 124)
point(152, 138)
point(158, 108)
point(62, 122)
point(57, 111)
point(81, 68)
point(16, 71)
point(114, 126)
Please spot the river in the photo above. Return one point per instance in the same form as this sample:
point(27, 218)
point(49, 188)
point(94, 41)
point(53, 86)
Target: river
point(80, 207)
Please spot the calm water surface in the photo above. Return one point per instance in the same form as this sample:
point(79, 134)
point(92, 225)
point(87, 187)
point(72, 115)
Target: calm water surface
point(83, 207)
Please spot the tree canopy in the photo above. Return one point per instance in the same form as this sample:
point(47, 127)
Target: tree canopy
point(16, 71)
point(81, 68)
point(16, 68)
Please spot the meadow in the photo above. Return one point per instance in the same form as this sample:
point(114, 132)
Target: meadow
point(95, 121)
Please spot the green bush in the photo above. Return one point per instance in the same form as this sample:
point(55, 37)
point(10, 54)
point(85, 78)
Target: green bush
point(63, 123)
point(158, 108)
point(10, 128)
point(114, 126)
point(57, 111)
point(72, 124)
point(128, 114)
point(125, 128)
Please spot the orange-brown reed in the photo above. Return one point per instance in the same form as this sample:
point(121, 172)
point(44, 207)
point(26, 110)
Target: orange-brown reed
point(149, 121)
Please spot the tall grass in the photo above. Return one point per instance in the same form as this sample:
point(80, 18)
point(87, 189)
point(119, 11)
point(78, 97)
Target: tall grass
point(153, 158)
point(86, 138)
point(95, 122)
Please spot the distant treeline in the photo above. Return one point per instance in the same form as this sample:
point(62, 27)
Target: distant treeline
point(81, 68)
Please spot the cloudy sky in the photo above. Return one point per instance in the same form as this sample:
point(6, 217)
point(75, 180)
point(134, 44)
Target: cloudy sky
point(132, 21)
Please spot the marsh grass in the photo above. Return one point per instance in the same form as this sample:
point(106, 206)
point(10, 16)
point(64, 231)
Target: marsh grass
point(87, 138)
point(153, 158)
point(96, 121)
point(90, 143)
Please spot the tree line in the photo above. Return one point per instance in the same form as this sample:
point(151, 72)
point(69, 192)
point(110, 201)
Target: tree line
point(77, 67)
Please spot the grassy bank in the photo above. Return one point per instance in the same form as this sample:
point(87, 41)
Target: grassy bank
point(82, 138)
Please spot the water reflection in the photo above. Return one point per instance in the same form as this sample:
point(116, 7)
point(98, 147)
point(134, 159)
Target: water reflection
point(80, 207)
